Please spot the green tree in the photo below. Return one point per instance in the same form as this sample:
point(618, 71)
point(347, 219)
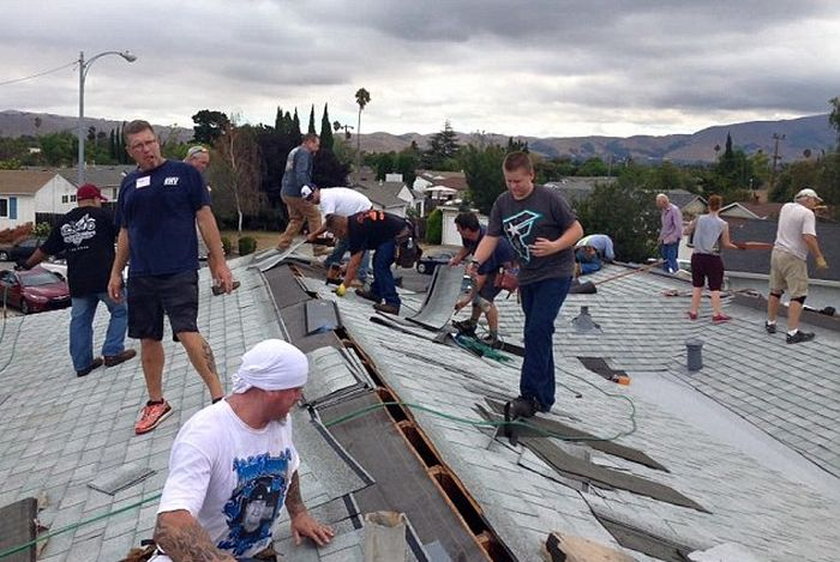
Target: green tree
point(59, 149)
point(326, 130)
point(311, 128)
point(434, 227)
point(592, 167)
point(443, 150)
point(623, 210)
point(482, 167)
point(209, 126)
point(235, 174)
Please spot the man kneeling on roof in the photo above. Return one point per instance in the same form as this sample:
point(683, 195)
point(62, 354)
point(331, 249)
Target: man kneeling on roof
point(233, 466)
point(372, 230)
point(592, 251)
point(484, 287)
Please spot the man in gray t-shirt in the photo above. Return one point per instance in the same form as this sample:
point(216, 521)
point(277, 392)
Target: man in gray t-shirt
point(543, 229)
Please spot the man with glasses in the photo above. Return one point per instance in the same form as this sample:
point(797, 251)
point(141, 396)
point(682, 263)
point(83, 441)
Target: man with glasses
point(158, 207)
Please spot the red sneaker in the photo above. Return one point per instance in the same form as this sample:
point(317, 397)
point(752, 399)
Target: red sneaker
point(151, 417)
point(692, 315)
point(720, 318)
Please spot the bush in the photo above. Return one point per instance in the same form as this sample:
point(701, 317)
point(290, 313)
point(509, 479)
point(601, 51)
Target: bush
point(434, 227)
point(247, 245)
point(227, 246)
point(42, 229)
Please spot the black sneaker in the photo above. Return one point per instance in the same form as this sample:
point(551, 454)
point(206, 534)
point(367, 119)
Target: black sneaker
point(465, 326)
point(521, 407)
point(800, 337)
point(771, 328)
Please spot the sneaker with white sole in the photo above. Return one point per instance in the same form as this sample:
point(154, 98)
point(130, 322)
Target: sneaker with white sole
point(152, 415)
point(800, 337)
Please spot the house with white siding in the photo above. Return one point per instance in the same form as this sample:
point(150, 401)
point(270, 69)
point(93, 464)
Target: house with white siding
point(23, 193)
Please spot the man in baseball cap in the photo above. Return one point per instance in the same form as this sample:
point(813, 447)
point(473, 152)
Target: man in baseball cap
point(796, 236)
point(89, 192)
point(86, 234)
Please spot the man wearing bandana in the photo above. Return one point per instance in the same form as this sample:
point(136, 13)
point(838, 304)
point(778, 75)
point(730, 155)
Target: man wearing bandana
point(234, 466)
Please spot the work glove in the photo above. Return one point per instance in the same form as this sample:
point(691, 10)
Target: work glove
point(821, 263)
point(341, 290)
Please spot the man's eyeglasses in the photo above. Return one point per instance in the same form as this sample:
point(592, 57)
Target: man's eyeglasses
point(142, 145)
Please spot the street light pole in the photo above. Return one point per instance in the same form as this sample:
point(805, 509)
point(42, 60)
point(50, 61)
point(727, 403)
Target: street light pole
point(84, 66)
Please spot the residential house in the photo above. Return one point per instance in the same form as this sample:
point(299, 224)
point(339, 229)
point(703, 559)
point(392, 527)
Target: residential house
point(434, 188)
point(390, 196)
point(26, 193)
point(106, 178)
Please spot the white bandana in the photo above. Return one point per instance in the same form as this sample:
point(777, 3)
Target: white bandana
point(271, 365)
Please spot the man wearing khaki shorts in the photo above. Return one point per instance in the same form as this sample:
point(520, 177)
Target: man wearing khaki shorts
point(796, 236)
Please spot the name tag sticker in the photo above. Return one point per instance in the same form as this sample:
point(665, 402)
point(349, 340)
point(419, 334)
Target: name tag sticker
point(145, 181)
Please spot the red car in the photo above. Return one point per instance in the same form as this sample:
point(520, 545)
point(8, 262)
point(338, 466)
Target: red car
point(35, 290)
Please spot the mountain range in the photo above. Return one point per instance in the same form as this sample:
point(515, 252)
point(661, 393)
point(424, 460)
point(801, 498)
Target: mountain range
point(805, 137)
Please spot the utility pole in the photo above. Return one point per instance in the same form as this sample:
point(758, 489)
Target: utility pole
point(776, 137)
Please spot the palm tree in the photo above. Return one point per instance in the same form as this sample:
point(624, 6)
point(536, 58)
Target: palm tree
point(362, 98)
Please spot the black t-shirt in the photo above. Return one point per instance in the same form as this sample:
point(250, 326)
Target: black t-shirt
point(370, 229)
point(87, 234)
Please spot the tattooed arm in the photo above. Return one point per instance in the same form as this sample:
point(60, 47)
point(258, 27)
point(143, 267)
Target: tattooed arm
point(184, 540)
point(303, 524)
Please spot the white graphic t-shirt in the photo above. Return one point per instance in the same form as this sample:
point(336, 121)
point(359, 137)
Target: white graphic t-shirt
point(232, 478)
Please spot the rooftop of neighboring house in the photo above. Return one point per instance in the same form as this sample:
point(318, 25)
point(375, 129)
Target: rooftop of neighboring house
point(24, 182)
point(382, 193)
point(745, 450)
point(100, 176)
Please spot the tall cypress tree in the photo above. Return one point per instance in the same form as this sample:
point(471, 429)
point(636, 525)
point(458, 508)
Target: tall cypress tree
point(296, 134)
point(311, 128)
point(327, 140)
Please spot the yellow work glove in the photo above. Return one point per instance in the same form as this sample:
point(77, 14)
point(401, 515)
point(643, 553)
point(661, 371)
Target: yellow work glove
point(821, 263)
point(341, 290)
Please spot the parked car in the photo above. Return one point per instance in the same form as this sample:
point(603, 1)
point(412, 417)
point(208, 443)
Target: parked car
point(428, 263)
point(35, 290)
point(20, 251)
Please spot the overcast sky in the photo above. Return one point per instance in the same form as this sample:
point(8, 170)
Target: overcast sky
point(543, 68)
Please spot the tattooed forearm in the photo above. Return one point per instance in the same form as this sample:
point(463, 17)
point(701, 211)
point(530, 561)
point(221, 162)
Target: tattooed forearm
point(294, 503)
point(209, 357)
point(179, 535)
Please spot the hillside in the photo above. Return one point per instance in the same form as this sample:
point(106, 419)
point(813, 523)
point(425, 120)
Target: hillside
point(806, 133)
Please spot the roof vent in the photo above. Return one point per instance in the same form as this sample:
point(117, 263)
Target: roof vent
point(583, 323)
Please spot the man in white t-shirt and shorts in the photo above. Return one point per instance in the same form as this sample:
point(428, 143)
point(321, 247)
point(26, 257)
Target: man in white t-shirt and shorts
point(234, 466)
point(795, 237)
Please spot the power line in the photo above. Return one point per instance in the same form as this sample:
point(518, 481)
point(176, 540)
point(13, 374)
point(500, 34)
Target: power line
point(7, 82)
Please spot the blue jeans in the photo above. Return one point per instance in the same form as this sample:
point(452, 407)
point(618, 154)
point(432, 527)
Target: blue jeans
point(669, 254)
point(541, 301)
point(341, 246)
point(81, 328)
point(383, 285)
